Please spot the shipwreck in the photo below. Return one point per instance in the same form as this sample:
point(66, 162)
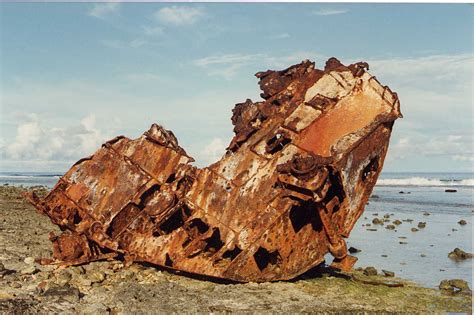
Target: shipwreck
point(288, 190)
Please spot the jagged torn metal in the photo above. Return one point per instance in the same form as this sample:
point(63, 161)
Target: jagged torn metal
point(289, 189)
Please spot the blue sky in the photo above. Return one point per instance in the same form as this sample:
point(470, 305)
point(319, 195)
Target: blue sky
point(74, 75)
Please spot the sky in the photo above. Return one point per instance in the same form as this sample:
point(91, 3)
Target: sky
point(73, 75)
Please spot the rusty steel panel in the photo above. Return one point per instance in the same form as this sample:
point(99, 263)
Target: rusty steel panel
point(290, 187)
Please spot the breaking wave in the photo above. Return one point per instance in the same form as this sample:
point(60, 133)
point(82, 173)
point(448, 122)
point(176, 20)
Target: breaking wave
point(422, 181)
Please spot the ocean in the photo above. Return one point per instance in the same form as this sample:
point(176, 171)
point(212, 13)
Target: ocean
point(420, 256)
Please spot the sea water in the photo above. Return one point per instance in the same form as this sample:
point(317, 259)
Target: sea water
point(424, 257)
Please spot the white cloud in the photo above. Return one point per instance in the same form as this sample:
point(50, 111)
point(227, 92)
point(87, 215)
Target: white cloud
point(122, 44)
point(212, 152)
point(228, 65)
point(179, 15)
point(324, 12)
point(153, 30)
point(37, 140)
point(428, 70)
point(104, 10)
point(464, 158)
point(226, 59)
point(281, 36)
point(456, 147)
point(142, 76)
point(28, 135)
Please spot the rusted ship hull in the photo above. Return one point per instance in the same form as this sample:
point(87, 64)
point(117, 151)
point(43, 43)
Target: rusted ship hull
point(289, 189)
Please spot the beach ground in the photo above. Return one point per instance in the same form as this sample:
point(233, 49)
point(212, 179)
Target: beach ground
point(109, 287)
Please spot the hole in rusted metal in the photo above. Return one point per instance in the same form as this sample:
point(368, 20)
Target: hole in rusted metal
point(303, 214)
point(277, 143)
point(176, 220)
point(122, 220)
point(199, 225)
point(171, 178)
point(370, 168)
point(336, 189)
point(186, 182)
point(147, 195)
point(300, 190)
point(168, 261)
point(231, 254)
point(264, 258)
point(214, 242)
point(194, 227)
point(77, 218)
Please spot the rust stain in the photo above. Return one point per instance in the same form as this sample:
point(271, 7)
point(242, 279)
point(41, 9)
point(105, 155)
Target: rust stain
point(290, 187)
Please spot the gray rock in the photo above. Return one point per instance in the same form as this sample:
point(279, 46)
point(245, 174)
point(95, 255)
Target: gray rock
point(454, 286)
point(63, 278)
point(388, 273)
point(370, 271)
point(68, 293)
point(96, 308)
point(29, 270)
point(96, 276)
point(459, 254)
point(29, 260)
point(460, 284)
point(377, 221)
point(354, 250)
point(77, 270)
point(15, 285)
point(445, 285)
point(83, 282)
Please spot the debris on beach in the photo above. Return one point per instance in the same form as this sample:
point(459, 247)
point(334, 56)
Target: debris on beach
point(370, 271)
point(450, 190)
point(421, 225)
point(377, 221)
point(388, 273)
point(354, 250)
point(455, 286)
point(289, 189)
point(459, 254)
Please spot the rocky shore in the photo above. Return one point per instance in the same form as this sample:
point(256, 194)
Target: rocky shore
point(110, 287)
